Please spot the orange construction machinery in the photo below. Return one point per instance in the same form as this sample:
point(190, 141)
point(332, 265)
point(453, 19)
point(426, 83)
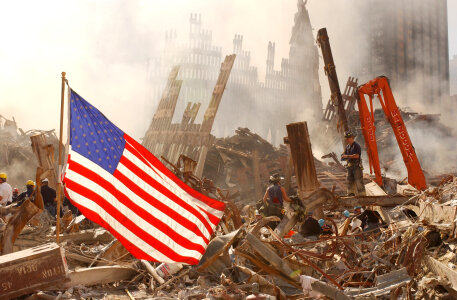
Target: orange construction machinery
point(380, 87)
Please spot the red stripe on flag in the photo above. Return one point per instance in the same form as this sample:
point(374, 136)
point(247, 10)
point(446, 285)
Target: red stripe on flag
point(93, 216)
point(136, 147)
point(163, 190)
point(145, 215)
point(130, 225)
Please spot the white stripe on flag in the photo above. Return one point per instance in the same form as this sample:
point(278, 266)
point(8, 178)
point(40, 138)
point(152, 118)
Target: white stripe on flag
point(148, 189)
point(165, 200)
point(171, 185)
point(118, 227)
point(128, 213)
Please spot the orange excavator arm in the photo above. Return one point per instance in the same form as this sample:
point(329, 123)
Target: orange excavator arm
point(380, 87)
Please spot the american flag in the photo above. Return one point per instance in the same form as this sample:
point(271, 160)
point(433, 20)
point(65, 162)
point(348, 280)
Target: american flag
point(117, 183)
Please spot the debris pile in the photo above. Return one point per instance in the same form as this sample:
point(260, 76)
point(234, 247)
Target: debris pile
point(16, 155)
point(410, 255)
point(243, 163)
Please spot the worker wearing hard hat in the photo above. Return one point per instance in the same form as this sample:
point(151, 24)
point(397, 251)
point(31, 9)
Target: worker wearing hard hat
point(28, 194)
point(6, 191)
point(49, 197)
point(352, 154)
point(15, 194)
point(274, 197)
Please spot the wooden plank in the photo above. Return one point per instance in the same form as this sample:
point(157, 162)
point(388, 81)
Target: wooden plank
point(32, 269)
point(302, 157)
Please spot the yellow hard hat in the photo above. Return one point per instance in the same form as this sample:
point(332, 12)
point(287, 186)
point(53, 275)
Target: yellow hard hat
point(3, 176)
point(30, 182)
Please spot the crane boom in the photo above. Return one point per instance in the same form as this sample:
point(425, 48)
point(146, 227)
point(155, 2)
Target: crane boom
point(380, 87)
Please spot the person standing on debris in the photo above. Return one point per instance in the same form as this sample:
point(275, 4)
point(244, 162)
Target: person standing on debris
point(274, 197)
point(49, 197)
point(28, 194)
point(352, 154)
point(6, 191)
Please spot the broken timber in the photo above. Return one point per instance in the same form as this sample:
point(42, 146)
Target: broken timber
point(29, 270)
point(169, 140)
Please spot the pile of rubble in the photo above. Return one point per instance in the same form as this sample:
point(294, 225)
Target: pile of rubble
point(242, 164)
point(16, 155)
point(412, 256)
point(251, 256)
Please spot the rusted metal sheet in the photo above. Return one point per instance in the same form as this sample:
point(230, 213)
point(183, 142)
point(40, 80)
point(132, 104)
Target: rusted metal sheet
point(302, 157)
point(29, 270)
point(330, 71)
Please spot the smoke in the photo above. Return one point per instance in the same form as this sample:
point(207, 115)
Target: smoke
point(435, 149)
point(106, 48)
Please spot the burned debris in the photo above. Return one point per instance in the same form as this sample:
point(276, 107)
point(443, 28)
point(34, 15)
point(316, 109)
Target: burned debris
point(410, 254)
point(291, 228)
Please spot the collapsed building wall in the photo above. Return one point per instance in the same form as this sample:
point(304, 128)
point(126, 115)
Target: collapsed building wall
point(294, 86)
point(168, 139)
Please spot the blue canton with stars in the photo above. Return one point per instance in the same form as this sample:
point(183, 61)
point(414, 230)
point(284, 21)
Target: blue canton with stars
point(93, 136)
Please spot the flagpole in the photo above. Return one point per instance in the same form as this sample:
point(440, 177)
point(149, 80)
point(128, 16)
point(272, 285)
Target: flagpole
point(59, 181)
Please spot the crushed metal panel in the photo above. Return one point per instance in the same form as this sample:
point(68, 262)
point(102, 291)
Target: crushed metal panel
point(436, 213)
point(442, 270)
point(26, 271)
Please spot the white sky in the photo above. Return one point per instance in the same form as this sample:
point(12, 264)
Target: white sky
point(104, 45)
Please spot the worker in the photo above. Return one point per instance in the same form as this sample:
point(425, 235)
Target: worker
point(49, 197)
point(274, 197)
point(352, 154)
point(6, 191)
point(15, 194)
point(310, 228)
point(326, 229)
point(28, 194)
point(370, 219)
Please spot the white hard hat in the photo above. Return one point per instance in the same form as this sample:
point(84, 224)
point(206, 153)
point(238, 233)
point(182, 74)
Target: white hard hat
point(45, 180)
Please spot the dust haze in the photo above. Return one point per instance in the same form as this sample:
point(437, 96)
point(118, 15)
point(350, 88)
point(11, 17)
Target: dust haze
point(105, 46)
